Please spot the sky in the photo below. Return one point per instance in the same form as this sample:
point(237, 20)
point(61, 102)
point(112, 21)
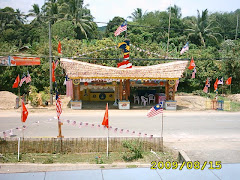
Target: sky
point(105, 10)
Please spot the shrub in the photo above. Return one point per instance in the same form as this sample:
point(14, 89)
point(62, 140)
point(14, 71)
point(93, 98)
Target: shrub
point(135, 150)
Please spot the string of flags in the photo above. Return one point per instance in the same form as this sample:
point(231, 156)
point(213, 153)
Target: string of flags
point(115, 129)
point(217, 82)
point(24, 78)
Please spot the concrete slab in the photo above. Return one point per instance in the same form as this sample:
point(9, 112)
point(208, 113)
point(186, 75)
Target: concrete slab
point(83, 174)
point(186, 174)
point(23, 176)
point(228, 172)
point(130, 174)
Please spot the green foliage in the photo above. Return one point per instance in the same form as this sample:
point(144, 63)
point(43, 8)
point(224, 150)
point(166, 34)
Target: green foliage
point(48, 161)
point(135, 148)
point(33, 96)
point(63, 29)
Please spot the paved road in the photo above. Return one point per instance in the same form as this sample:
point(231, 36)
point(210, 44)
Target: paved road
point(202, 135)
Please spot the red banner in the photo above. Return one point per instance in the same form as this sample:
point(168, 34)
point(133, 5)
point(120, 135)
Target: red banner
point(24, 61)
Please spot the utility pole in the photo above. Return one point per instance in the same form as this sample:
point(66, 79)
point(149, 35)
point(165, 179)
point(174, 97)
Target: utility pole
point(236, 29)
point(50, 63)
point(169, 23)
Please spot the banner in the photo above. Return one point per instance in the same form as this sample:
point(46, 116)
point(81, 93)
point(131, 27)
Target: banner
point(23, 61)
point(4, 61)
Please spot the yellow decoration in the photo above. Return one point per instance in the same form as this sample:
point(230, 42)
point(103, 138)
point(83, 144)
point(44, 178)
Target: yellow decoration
point(171, 82)
point(76, 81)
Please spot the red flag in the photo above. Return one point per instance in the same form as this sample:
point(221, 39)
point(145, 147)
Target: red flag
point(16, 82)
point(59, 47)
point(24, 112)
point(105, 119)
point(53, 74)
point(216, 84)
point(191, 65)
point(229, 81)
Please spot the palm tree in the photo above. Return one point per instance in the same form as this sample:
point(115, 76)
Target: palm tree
point(35, 11)
point(203, 28)
point(175, 11)
point(81, 17)
point(137, 15)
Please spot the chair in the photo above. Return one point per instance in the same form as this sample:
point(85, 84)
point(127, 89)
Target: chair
point(136, 99)
point(144, 100)
point(151, 97)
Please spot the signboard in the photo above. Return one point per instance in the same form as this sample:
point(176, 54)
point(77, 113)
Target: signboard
point(123, 105)
point(171, 105)
point(23, 61)
point(76, 104)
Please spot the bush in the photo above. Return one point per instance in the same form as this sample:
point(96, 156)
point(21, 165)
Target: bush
point(48, 161)
point(135, 148)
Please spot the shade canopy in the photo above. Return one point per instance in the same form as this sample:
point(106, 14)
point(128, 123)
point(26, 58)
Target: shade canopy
point(83, 70)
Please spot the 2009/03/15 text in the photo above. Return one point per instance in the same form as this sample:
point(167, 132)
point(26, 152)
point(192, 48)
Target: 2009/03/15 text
point(189, 165)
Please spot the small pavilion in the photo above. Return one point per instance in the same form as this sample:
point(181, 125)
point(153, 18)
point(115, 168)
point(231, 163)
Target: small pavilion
point(92, 82)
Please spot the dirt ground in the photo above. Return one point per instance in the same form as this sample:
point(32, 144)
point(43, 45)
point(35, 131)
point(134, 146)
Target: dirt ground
point(184, 102)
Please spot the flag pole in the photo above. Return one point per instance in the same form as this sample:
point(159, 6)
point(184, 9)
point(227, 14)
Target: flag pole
point(108, 134)
point(162, 126)
point(22, 126)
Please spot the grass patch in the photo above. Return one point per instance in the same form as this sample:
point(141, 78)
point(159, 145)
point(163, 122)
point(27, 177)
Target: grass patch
point(235, 106)
point(131, 166)
point(45, 158)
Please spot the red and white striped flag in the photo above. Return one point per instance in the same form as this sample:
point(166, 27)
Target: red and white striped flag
point(58, 106)
point(194, 72)
point(125, 64)
point(22, 80)
point(121, 28)
point(155, 110)
point(28, 78)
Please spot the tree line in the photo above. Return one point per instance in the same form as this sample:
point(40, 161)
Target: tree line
point(210, 36)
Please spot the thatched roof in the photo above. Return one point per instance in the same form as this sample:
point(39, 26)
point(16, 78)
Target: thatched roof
point(83, 70)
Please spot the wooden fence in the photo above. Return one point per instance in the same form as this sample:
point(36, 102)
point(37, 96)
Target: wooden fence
point(76, 145)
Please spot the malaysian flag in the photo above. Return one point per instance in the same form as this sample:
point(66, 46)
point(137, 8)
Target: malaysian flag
point(22, 80)
point(58, 106)
point(125, 46)
point(207, 85)
point(194, 72)
point(156, 110)
point(185, 48)
point(121, 28)
point(28, 78)
point(124, 65)
point(220, 81)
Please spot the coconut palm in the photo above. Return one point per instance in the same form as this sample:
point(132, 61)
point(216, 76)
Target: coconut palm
point(176, 11)
point(137, 15)
point(203, 28)
point(35, 11)
point(81, 17)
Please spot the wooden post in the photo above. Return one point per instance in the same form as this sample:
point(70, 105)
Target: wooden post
point(174, 90)
point(127, 89)
point(78, 93)
point(167, 90)
point(121, 90)
point(73, 98)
